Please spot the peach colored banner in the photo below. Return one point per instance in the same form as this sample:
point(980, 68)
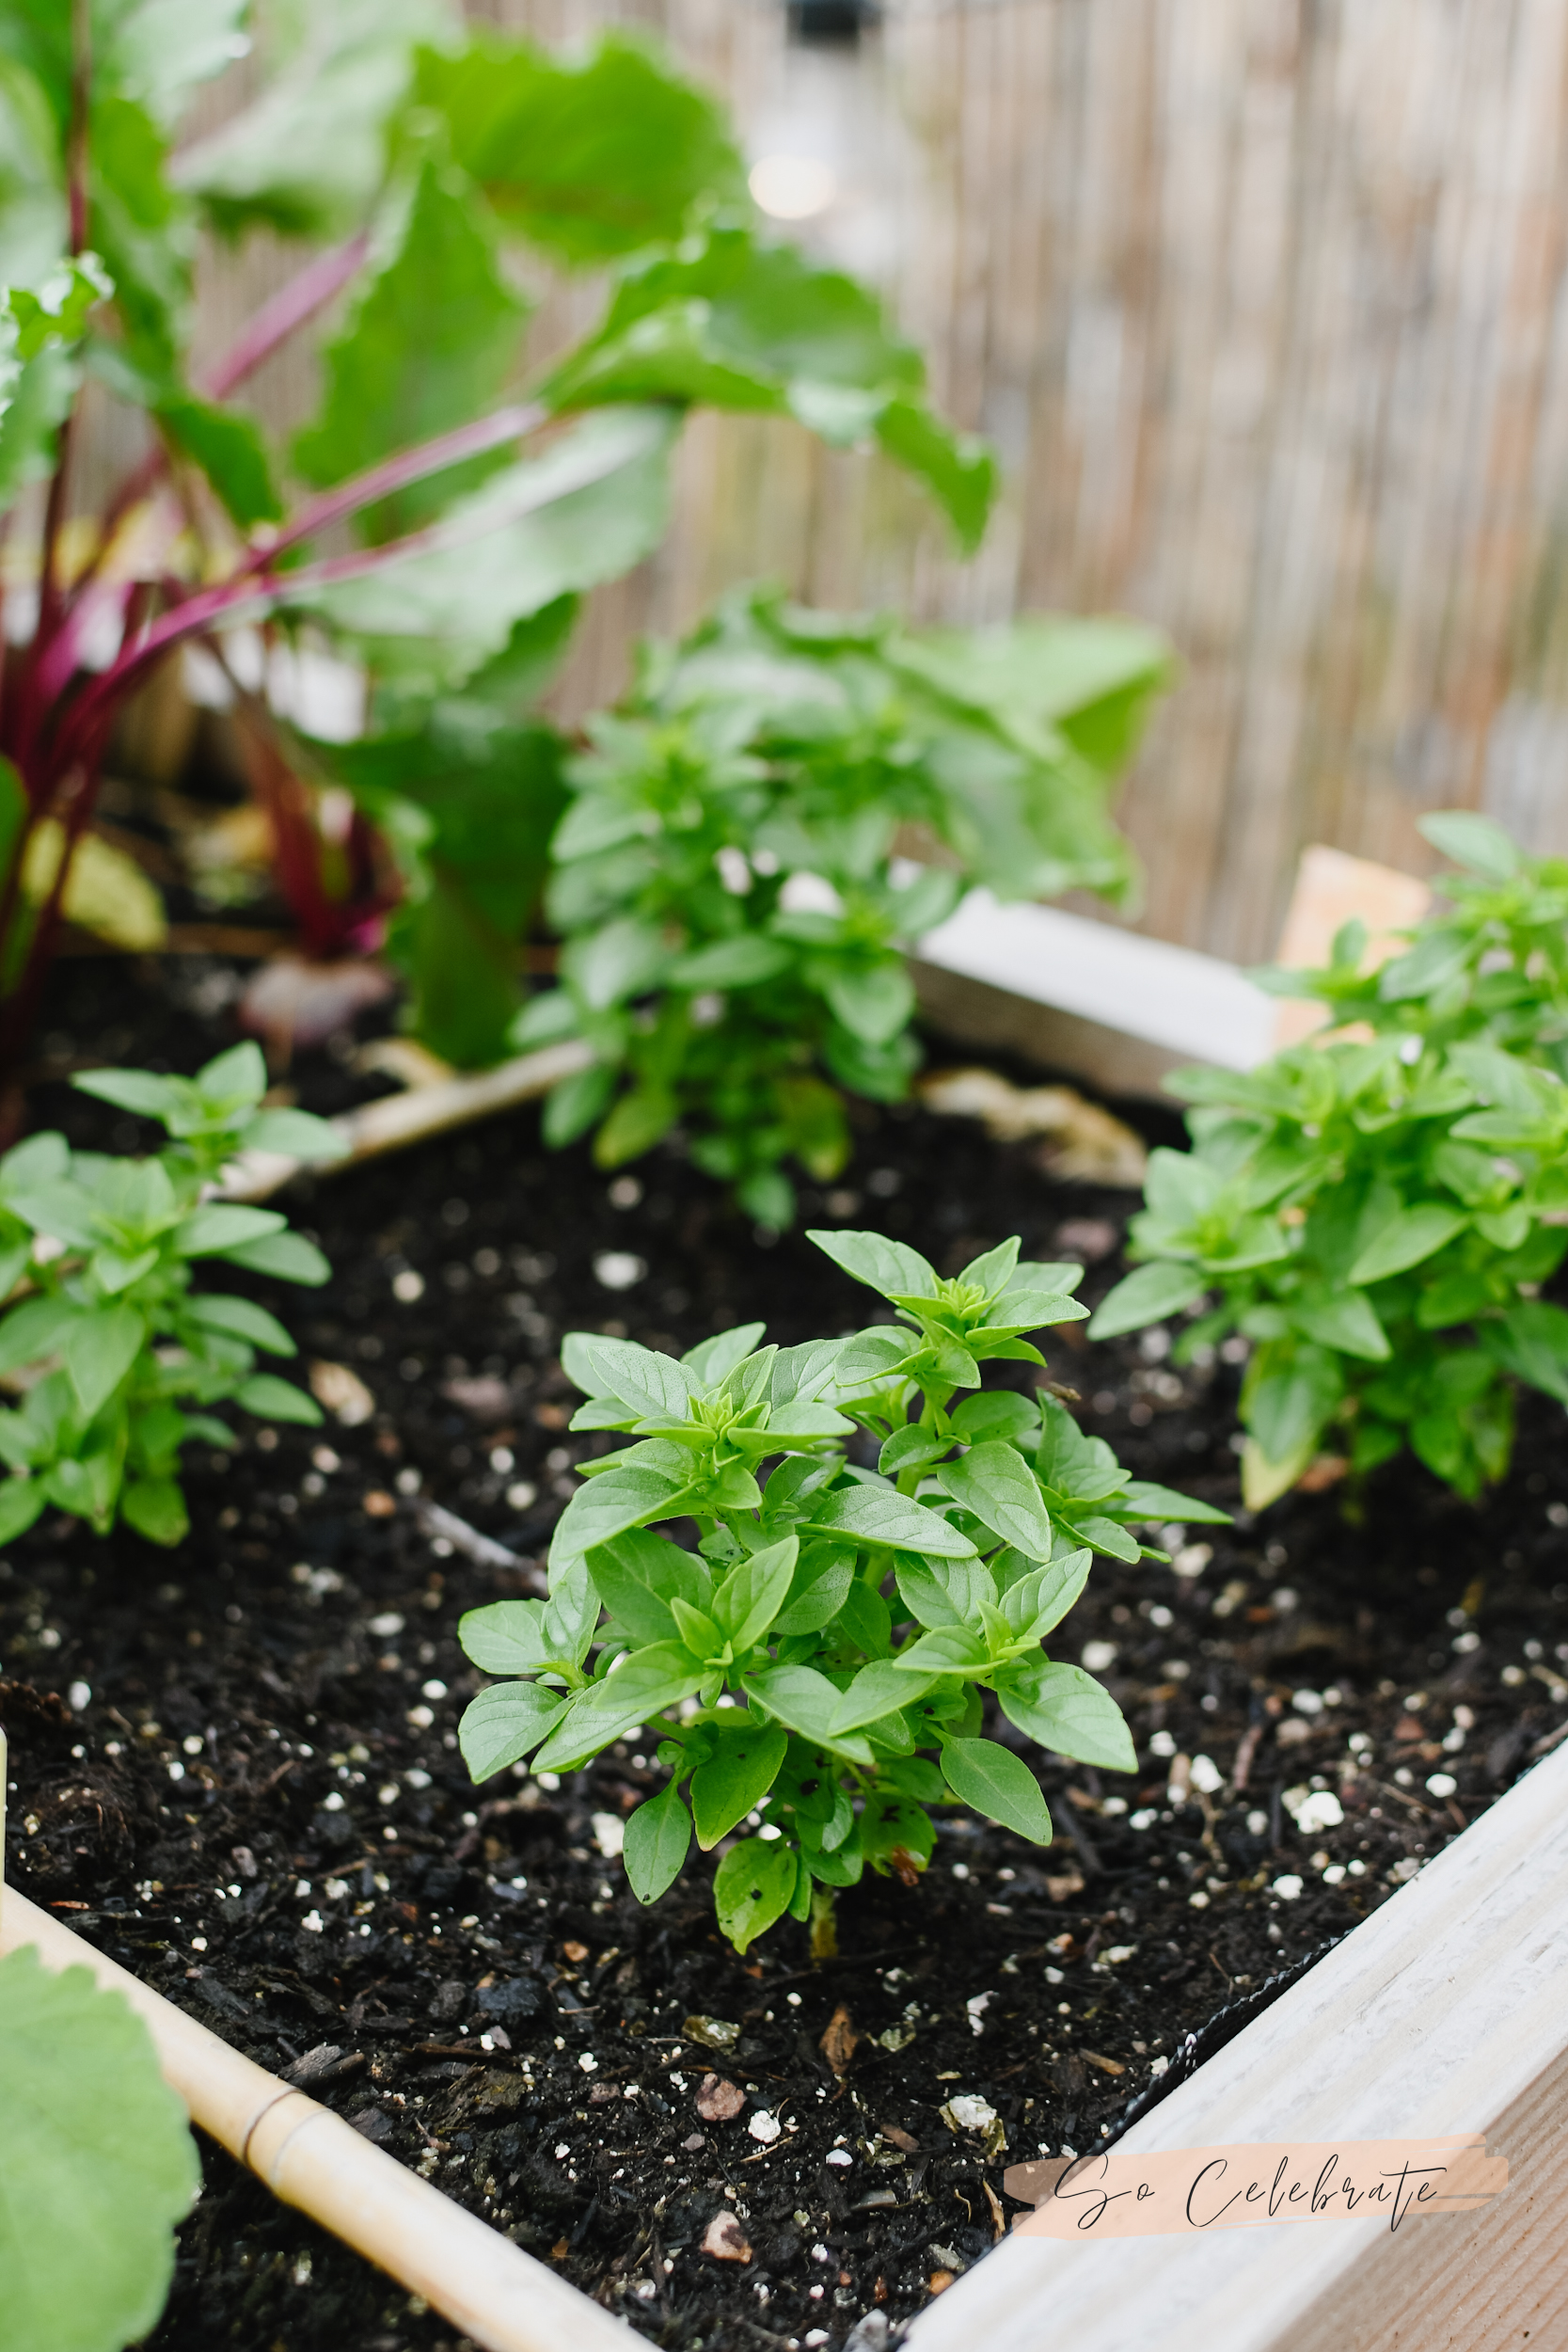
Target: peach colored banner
point(1190, 2190)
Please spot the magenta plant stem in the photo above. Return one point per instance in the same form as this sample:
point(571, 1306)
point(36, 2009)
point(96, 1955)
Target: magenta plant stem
point(287, 311)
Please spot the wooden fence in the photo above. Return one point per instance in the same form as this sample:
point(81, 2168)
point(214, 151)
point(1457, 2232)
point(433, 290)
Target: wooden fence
point(1264, 303)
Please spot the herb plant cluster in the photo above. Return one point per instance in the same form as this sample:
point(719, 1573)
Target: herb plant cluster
point(437, 181)
point(727, 876)
point(1378, 1209)
point(816, 1669)
point(110, 1344)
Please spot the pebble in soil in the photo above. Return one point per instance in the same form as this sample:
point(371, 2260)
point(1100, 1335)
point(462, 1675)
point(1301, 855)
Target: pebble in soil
point(248, 1788)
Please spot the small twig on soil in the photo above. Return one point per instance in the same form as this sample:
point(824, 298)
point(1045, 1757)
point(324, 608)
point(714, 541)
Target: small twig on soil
point(483, 1551)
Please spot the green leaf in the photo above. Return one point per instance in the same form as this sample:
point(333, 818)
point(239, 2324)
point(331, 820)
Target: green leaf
point(1473, 842)
point(139, 1091)
point(751, 1888)
point(875, 1003)
point(883, 1687)
point(100, 1350)
point(309, 155)
point(888, 1266)
point(947, 1649)
point(287, 1257)
point(615, 1500)
point(35, 1329)
point(1347, 1321)
point(822, 1579)
point(21, 1500)
point(635, 1125)
point(808, 1702)
point(575, 1103)
point(1531, 1341)
point(240, 1319)
point(753, 1594)
point(880, 1514)
point(659, 1836)
point(1409, 1236)
point(270, 1399)
point(296, 1134)
point(651, 1385)
point(588, 159)
point(1068, 1710)
point(155, 1508)
point(1289, 1395)
point(1143, 1500)
point(230, 451)
point(585, 510)
point(1146, 1295)
point(642, 1685)
point(994, 1482)
point(429, 344)
point(221, 1228)
point(993, 1781)
point(505, 1723)
point(638, 1574)
point(97, 2164)
point(735, 1779)
point(507, 1637)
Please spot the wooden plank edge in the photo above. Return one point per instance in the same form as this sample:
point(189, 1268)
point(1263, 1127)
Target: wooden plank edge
point(1446, 2011)
point(399, 1120)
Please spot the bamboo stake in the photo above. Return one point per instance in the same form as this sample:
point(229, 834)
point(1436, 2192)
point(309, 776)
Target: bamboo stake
point(398, 1119)
point(308, 2156)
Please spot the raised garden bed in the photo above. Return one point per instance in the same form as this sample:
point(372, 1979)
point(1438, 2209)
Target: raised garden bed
point(259, 1808)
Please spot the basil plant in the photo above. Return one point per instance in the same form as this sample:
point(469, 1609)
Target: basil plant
point(731, 879)
point(816, 1671)
point(107, 1340)
point(1377, 1210)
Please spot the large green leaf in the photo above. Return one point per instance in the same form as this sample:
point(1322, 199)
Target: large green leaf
point(97, 2165)
point(586, 510)
point(429, 343)
point(589, 159)
point(740, 324)
point(308, 157)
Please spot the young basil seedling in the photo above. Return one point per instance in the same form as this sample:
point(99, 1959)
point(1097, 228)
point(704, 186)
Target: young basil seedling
point(108, 1339)
point(1376, 1211)
point(815, 1672)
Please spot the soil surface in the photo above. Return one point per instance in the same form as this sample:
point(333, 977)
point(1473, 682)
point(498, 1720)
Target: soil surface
point(234, 1766)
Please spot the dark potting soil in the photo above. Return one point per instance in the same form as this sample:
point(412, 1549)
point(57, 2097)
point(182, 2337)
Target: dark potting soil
point(234, 1766)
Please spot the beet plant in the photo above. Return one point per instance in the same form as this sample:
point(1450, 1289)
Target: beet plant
point(461, 485)
point(817, 1671)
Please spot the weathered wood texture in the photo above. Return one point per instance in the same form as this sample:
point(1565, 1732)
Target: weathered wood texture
point(1444, 2011)
point(1265, 304)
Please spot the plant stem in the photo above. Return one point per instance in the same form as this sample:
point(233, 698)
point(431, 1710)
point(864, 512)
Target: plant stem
point(824, 1924)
